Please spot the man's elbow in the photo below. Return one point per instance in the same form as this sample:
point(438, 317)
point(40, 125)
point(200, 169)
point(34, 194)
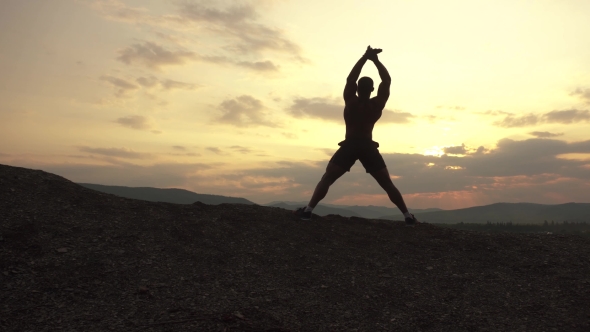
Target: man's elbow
point(386, 80)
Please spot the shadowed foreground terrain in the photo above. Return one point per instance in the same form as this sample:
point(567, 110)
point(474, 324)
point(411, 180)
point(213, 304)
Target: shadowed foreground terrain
point(73, 259)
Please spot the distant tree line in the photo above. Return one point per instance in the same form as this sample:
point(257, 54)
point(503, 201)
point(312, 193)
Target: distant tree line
point(556, 227)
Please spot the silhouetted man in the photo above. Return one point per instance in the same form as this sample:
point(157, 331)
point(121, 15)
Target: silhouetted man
point(360, 114)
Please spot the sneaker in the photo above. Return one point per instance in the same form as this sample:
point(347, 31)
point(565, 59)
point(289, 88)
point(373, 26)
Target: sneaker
point(411, 222)
point(302, 214)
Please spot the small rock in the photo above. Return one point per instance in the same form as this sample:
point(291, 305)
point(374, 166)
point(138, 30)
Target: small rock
point(62, 250)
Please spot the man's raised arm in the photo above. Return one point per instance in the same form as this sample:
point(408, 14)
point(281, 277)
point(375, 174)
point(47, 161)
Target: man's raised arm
point(383, 91)
point(356, 70)
point(350, 88)
point(383, 73)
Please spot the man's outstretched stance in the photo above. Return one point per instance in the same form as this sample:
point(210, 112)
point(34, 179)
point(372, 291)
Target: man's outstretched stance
point(360, 114)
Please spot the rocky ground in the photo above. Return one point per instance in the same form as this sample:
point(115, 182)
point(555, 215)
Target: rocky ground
point(73, 259)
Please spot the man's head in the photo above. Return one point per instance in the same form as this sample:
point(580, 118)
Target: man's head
point(365, 86)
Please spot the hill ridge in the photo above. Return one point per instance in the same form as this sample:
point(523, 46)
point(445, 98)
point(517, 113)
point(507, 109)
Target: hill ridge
point(169, 195)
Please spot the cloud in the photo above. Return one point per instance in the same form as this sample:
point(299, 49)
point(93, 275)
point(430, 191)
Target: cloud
point(567, 116)
point(455, 149)
point(320, 108)
point(236, 29)
point(123, 86)
point(239, 24)
point(118, 11)
point(583, 94)
point(215, 150)
point(135, 122)
point(518, 121)
point(481, 150)
point(167, 84)
point(153, 55)
point(261, 66)
point(148, 82)
point(330, 109)
point(544, 134)
point(494, 113)
point(244, 111)
point(116, 152)
point(563, 117)
point(241, 149)
point(179, 147)
point(258, 66)
point(170, 84)
point(395, 117)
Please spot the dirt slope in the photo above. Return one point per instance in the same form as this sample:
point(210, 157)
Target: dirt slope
point(72, 259)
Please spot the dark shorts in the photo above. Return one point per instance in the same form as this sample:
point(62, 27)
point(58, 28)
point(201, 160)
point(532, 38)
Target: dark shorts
point(364, 150)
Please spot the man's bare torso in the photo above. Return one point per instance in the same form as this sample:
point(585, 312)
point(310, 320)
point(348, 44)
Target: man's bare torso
point(360, 117)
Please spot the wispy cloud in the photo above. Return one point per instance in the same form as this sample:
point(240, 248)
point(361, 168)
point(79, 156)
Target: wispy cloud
point(167, 84)
point(460, 149)
point(137, 122)
point(583, 94)
point(153, 55)
point(320, 108)
point(330, 109)
point(244, 111)
point(240, 25)
point(494, 112)
point(215, 150)
point(237, 30)
point(116, 152)
point(563, 117)
point(544, 134)
point(123, 87)
point(170, 85)
point(241, 149)
point(258, 66)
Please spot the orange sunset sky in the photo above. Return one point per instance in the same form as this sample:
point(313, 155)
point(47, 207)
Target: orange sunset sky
point(489, 99)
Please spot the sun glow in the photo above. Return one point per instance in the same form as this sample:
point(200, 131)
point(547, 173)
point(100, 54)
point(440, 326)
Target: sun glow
point(454, 167)
point(434, 151)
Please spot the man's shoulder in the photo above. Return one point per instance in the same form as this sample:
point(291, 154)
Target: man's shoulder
point(379, 102)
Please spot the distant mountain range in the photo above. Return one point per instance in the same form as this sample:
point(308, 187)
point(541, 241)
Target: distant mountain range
point(178, 196)
point(517, 213)
point(500, 212)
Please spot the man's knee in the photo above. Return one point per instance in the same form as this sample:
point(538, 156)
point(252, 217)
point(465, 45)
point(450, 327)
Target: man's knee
point(328, 178)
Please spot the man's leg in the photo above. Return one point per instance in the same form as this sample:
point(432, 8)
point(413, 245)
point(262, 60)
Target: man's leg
point(333, 172)
point(382, 177)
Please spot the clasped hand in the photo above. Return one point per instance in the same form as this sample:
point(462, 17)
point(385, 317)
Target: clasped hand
point(371, 53)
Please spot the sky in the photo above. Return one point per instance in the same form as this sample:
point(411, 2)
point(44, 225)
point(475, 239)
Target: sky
point(489, 99)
